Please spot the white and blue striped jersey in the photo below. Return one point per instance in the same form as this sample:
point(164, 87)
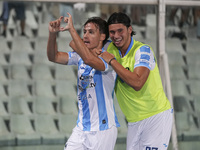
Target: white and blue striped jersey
point(95, 92)
point(145, 57)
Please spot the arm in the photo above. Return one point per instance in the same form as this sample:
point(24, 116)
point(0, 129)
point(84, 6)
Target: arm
point(95, 52)
point(52, 52)
point(78, 45)
point(135, 79)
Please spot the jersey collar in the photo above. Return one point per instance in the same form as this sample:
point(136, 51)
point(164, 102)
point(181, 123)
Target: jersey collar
point(131, 44)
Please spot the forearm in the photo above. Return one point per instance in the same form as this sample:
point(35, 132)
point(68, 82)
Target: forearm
point(88, 57)
point(52, 47)
point(134, 79)
point(81, 48)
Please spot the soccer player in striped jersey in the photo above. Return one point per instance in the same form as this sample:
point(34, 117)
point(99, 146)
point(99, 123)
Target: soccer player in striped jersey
point(138, 87)
point(97, 123)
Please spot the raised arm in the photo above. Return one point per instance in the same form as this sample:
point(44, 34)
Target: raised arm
point(52, 51)
point(79, 46)
point(135, 79)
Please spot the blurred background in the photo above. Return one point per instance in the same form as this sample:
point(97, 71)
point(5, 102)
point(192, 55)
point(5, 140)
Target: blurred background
point(38, 105)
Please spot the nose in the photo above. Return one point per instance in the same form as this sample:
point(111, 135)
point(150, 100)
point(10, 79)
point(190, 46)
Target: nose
point(85, 35)
point(115, 35)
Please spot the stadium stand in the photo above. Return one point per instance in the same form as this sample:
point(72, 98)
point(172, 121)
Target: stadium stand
point(21, 44)
point(3, 61)
point(3, 77)
point(38, 104)
point(19, 72)
point(20, 58)
point(66, 123)
point(22, 128)
point(45, 126)
point(20, 88)
point(6, 138)
point(122, 130)
point(44, 106)
point(3, 111)
point(41, 72)
point(19, 106)
point(70, 104)
point(3, 92)
point(63, 72)
point(4, 46)
point(64, 90)
point(44, 88)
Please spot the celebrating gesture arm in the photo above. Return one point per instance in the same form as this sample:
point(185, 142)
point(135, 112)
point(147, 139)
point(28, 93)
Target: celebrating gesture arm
point(52, 51)
point(79, 46)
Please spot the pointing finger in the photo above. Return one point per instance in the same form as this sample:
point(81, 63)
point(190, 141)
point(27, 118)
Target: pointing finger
point(60, 19)
point(69, 14)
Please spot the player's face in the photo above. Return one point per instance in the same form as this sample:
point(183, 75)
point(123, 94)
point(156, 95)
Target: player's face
point(91, 36)
point(120, 35)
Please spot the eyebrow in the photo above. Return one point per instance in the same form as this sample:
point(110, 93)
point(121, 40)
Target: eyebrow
point(116, 30)
point(89, 29)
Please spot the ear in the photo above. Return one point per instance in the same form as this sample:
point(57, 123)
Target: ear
point(130, 29)
point(102, 37)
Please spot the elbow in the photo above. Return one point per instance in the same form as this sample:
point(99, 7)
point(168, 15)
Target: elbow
point(50, 58)
point(137, 86)
point(87, 60)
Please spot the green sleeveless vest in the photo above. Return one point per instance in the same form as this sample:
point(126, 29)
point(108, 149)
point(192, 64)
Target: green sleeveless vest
point(148, 101)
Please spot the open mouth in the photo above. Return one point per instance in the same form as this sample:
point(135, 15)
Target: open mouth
point(118, 41)
point(86, 42)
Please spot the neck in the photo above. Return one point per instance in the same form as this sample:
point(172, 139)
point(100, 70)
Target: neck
point(123, 53)
point(125, 48)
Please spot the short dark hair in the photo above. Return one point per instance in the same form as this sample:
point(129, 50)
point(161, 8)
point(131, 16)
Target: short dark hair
point(119, 17)
point(101, 25)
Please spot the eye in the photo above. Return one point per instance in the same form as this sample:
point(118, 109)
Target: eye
point(120, 30)
point(91, 32)
point(112, 32)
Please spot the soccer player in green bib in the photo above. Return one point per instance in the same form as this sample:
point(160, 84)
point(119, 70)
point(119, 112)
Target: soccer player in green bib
point(138, 89)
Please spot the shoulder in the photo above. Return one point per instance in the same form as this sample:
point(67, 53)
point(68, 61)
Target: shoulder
point(145, 48)
point(106, 45)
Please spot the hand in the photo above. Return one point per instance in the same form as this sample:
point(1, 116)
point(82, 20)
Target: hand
point(96, 51)
point(69, 22)
point(107, 56)
point(54, 26)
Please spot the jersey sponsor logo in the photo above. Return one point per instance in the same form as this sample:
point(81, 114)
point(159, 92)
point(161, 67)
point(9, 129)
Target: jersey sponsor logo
point(84, 97)
point(86, 82)
point(87, 78)
point(90, 85)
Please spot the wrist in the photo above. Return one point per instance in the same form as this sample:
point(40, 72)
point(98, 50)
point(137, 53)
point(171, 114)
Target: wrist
point(52, 33)
point(111, 60)
point(71, 29)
